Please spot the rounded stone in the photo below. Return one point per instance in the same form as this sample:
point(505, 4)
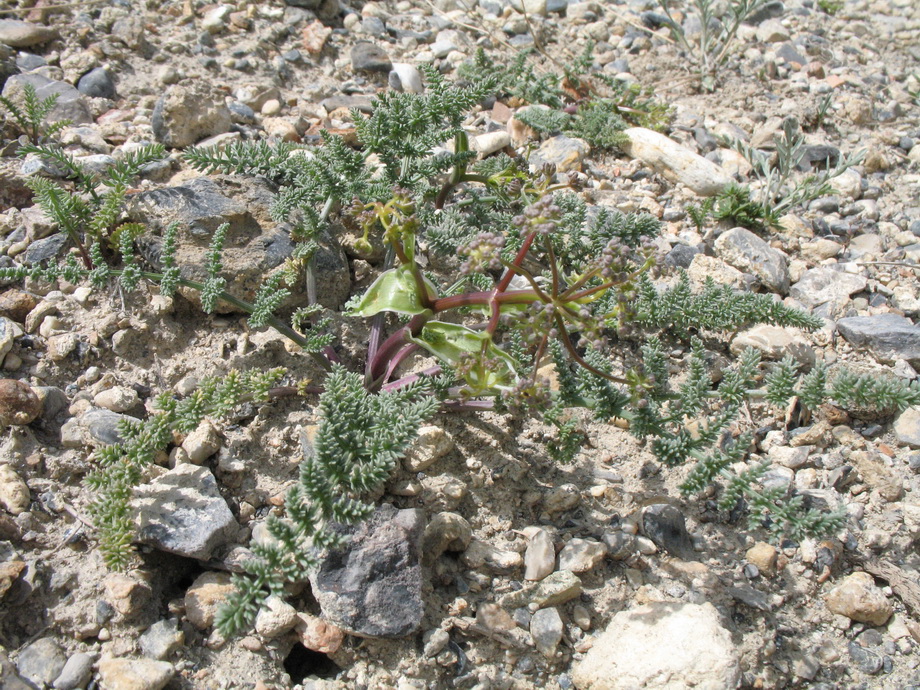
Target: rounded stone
point(97, 83)
point(18, 403)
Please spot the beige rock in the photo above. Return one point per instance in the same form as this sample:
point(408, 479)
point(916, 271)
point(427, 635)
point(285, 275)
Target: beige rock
point(446, 532)
point(480, 553)
point(494, 618)
point(557, 588)
point(859, 599)
point(675, 162)
point(318, 634)
point(127, 594)
point(134, 674)
point(561, 498)
point(775, 342)
point(763, 555)
point(205, 596)
point(874, 472)
point(540, 556)
point(116, 399)
point(432, 444)
point(275, 618)
point(14, 493)
point(581, 555)
point(202, 443)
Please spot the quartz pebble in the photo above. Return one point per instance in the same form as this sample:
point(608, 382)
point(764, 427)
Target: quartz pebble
point(858, 598)
point(540, 556)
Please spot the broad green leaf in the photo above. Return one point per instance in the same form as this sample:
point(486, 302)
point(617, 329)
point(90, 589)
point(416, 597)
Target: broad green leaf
point(394, 290)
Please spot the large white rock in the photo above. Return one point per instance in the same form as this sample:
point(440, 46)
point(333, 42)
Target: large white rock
point(663, 646)
point(677, 163)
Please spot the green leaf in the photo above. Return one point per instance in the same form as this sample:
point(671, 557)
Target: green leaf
point(394, 290)
point(450, 342)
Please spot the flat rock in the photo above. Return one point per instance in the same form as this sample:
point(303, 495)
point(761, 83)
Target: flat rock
point(20, 34)
point(665, 525)
point(546, 630)
point(97, 83)
point(369, 57)
point(824, 284)
point(581, 555)
point(134, 674)
point(675, 162)
point(44, 249)
point(858, 598)
point(775, 342)
point(161, 639)
point(540, 555)
point(557, 588)
point(566, 153)
point(41, 662)
point(747, 252)
point(372, 587)
point(206, 595)
point(661, 646)
point(887, 336)
point(446, 532)
point(182, 512)
point(71, 104)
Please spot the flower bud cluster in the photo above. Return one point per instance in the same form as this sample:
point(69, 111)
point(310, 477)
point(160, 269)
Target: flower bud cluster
point(528, 394)
point(534, 322)
point(540, 216)
point(365, 215)
point(483, 252)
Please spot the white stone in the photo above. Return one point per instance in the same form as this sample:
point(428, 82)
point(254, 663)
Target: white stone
point(14, 493)
point(675, 162)
point(201, 443)
point(661, 646)
point(540, 556)
point(116, 399)
point(581, 555)
point(275, 618)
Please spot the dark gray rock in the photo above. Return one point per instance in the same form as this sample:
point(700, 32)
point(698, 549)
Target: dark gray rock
point(681, 256)
point(789, 53)
point(771, 10)
point(161, 639)
point(44, 249)
point(242, 113)
point(182, 512)
point(820, 156)
point(41, 662)
point(369, 57)
point(71, 104)
point(97, 83)
point(750, 597)
point(664, 524)
point(102, 425)
point(868, 661)
point(373, 586)
point(306, 4)
point(887, 336)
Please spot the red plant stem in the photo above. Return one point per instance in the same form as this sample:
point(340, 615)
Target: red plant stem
point(390, 347)
point(398, 359)
point(411, 378)
point(578, 358)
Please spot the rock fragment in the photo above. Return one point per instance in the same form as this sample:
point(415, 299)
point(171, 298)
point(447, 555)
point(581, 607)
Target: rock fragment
point(546, 630)
point(907, 427)
point(557, 588)
point(41, 662)
point(887, 336)
point(205, 596)
point(858, 598)
point(19, 34)
point(185, 115)
point(14, 493)
point(161, 639)
point(675, 162)
point(540, 556)
point(18, 403)
point(747, 252)
point(134, 674)
point(581, 555)
point(76, 672)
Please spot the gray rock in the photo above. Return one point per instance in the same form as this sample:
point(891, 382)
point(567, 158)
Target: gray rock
point(771, 10)
point(71, 104)
point(581, 555)
point(887, 336)
point(557, 588)
point(76, 672)
point(306, 4)
point(620, 545)
point(182, 512)
point(566, 153)
point(747, 252)
point(788, 52)
point(681, 256)
point(20, 34)
point(824, 284)
point(26, 62)
point(185, 115)
point(41, 662)
point(102, 425)
point(664, 524)
point(682, 643)
point(546, 630)
point(406, 77)
point(362, 103)
point(369, 57)
point(372, 587)
point(97, 83)
point(675, 162)
point(907, 427)
point(161, 639)
point(868, 661)
point(44, 249)
point(772, 31)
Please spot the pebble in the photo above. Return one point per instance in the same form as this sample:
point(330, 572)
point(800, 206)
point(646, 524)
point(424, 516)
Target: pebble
point(205, 596)
point(318, 634)
point(666, 526)
point(581, 555)
point(116, 399)
point(859, 599)
point(202, 443)
point(482, 554)
point(15, 306)
point(76, 672)
point(9, 331)
point(19, 405)
point(825, 284)
point(369, 57)
point(41, 662)
point(405, 77)
point(540, 555)
point(675, 162)
point(97, 83)
point(546, 630)
point(19, 34)
point(431, 444)
point(561, 498)
point(435, 641)
point(161, 639)
point(14, 493)
point(887, 336)
point(275, 618)
point(494, 618)
point(747, 252)
point(446, 532)
point(186, 114)
point(557, 588)
point(907, 427)
point(566, 153)
point(134, 674)
point(764, 557)
point(774, 343)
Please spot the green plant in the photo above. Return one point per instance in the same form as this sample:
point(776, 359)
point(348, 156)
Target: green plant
point(30, 118)
point(710, 48)
point(831, 7)
point(540, 282)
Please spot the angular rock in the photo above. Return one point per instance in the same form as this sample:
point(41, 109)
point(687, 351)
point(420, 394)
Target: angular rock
point(185, 115)
point(71, 104)
point(431, 444)
point(372, 587)
point(18, 403)
point(275, 618)
point(481, 554)
point(540, 556)
point(665, 525)
point(566, 153)
point(202, 443)
point(161, 639)
point(775, 342)
point(675, 162)
point(581, 555)
point(202, 600)
point(747, 252)
point(318, 634)
point(16, 304)
point(134, 674)
point(41, 662)
point(14, 493)
point(20, 34)
point(858, 598)
point(126, 594)
point(369, 57)
point(557, 588)
point(661, 646)
point(102, 425)
point(546, 630)
point(907, 427)
point(824, 284)
point(887, 336)
point(9, 331)
point(44, 249)
point(446, 532)
point(764, 556)
point(182, 512)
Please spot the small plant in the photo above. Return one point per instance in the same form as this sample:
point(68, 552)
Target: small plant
point(30, 118)
point(540, 283)
point(711, 47)
point(830, 7)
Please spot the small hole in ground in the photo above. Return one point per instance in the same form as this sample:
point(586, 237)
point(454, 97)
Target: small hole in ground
point(302, 663)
